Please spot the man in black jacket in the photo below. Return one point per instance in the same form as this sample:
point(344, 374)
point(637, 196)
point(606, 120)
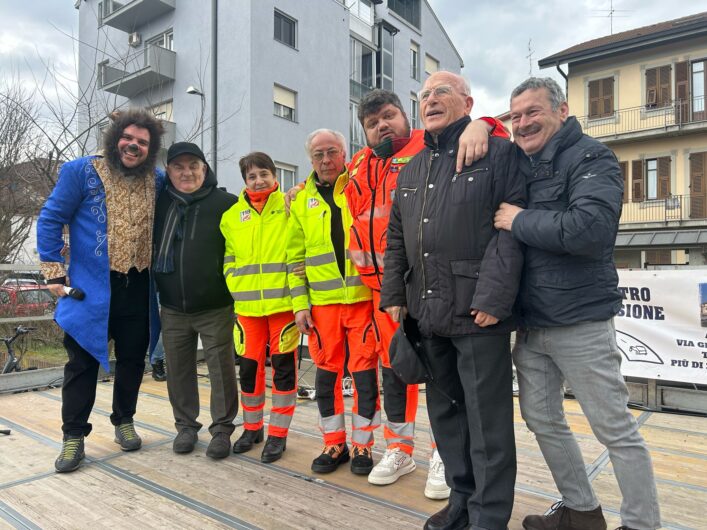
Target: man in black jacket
point(568, 298)
point(188, 270)
point(458, 277)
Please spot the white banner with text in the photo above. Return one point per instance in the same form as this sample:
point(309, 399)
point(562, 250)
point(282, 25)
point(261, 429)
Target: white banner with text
point(661, 329)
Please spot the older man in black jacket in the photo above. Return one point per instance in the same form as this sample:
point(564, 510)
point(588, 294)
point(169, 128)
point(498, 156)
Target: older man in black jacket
point(568, 298)
point(458, 277)
point(188, 269)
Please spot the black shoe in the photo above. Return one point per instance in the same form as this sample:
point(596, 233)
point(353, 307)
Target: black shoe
point(362, 461)
point(158, 373)
point(220, 446)
point(274, 447)
point(247, 439)
point(332, 456)
point(71, 454)
point(185, 441)
point(126, 436)
point(451, 517)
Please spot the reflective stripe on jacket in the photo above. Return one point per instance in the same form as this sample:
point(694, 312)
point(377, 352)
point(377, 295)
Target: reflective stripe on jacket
point(309, 243)
point(255, 263)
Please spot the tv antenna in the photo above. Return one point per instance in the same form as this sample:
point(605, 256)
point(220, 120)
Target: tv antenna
point(530, 58)
point(611, 13)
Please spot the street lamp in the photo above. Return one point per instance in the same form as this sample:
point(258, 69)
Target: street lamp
point(193, 90)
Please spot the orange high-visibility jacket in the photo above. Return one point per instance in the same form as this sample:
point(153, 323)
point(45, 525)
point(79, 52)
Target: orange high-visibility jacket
point(370, 195)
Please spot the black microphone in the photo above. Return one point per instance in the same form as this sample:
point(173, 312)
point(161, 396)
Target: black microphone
point(74, 292)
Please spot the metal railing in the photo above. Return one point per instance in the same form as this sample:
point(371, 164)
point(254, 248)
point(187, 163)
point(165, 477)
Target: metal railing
point(152, 56)
point(672, 208)
point(674, 115)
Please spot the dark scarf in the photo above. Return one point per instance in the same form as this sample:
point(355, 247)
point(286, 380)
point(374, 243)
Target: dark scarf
point(173, 229)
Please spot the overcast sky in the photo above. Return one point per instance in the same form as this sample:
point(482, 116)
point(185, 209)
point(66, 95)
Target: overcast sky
point(491, 36)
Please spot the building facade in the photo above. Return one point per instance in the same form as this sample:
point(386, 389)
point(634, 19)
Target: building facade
point(642, 93)
point(242, 75)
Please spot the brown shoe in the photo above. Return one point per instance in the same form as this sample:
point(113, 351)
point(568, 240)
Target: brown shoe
point(563, 518)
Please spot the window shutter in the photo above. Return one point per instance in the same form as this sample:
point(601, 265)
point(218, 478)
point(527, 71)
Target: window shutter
point(663, 177)
point(664, 95)
point(594, 95)
point(658, 257)
point(607, 86)
point(651, 87)
point(638, 179)
point(624, 176)
point(284, 97)
point(682, 85)
point(697, 186)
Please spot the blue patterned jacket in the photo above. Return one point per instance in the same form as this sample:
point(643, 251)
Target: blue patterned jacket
point(79, 200)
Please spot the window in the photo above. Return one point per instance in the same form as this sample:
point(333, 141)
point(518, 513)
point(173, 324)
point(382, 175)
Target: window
point(385, 59)
point(651, 179)
point(163, 111)
point(363, 69)
point(698, 87)
point(658, 93)
point(414, 60)
point(414, 112)
point(431, 65)
point(164, 40)
point(409, 10)
point(284, 101)
point(361, 9)
point(356, 132)
point(286, 175)
point(601, 98)
point(285, 29)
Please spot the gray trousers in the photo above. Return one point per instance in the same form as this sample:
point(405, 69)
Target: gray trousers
point(180, 333)
point(586, 356)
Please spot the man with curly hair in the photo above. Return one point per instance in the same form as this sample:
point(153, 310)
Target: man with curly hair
point(108, 203)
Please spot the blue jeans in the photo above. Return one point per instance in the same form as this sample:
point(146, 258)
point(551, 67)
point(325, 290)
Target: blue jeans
point(158, 352)
point(587, 357)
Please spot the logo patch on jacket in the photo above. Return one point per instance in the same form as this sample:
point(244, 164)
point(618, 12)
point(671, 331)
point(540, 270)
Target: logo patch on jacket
point(402, 160)
point(313, 203)
point(245, 216)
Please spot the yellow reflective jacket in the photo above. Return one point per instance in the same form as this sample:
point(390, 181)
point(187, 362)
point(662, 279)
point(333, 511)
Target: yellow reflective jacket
point(309, 243)
point(255, 262)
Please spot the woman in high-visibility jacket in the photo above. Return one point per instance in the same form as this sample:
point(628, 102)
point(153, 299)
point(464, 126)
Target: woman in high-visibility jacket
point(255, 268)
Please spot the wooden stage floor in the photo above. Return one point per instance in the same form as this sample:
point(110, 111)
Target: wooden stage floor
point(155, 488)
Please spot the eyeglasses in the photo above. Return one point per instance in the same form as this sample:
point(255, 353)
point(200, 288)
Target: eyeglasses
point(331, 153)
point(441, 90)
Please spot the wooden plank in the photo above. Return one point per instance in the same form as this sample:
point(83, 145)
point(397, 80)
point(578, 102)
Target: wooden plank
point(22, 457)
point(92, 498)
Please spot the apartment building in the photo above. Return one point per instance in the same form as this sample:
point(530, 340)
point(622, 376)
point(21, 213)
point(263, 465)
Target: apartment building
point(642, 93)
point(243, 75)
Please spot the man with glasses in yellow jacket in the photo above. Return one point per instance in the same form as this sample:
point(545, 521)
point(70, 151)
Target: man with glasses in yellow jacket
point(332, 306)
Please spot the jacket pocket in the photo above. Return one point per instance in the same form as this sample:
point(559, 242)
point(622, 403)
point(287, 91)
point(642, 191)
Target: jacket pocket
point(406, 198)
point(466, 184)
point(548, 194)
point(465, 274)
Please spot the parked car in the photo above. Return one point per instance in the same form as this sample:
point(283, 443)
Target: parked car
point(24, 278)
point(25, 300)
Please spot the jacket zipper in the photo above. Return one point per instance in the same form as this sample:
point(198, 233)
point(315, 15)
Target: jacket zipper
point(372, 219)
point(433, 155)
point(181, 262)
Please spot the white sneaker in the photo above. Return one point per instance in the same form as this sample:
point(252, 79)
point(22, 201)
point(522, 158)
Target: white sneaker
point(394, 464)
point(436, 486)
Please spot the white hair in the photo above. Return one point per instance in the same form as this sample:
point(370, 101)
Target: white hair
point(310, 137)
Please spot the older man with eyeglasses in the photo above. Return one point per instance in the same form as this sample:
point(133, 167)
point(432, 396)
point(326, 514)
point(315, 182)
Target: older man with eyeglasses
point(332, 306)
point(458, 277)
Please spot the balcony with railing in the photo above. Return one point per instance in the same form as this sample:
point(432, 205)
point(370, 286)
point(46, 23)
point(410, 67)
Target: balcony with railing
point(674, 210)
point(644, 121)
point(129, 15)
point(148, 68)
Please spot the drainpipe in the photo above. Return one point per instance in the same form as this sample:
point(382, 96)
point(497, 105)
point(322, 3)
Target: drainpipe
point(214, 84)
point(557, 66)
